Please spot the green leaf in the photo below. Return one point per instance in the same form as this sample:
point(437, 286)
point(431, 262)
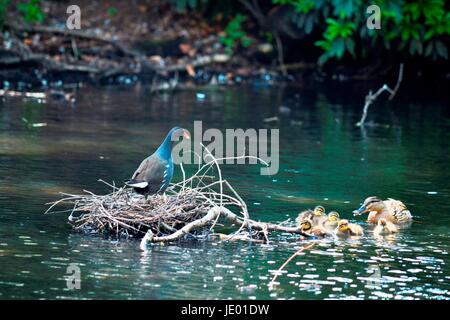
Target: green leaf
point(323, 59)
point(192, 4)
point(31, 12)
point(415, 46)
point(429, 49)
point(246, 42)
point(338, 47)
point(112, 11)
point(325, 45)
point(441, 49)
point(428, 35)
point(309, 25)
point(350, 44)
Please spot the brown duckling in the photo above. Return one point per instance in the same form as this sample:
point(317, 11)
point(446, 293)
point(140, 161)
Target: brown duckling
point(318, 216)
point(304, 215)
point(346, 229)
point(331, 220)
point(384, 227)
point(314, 231)
point(392, 210)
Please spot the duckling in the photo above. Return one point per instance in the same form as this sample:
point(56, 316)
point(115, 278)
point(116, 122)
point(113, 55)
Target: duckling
point(318, 216)
point(346, 229)
point(392, 210)
point(308, 229)
point(304, 215)
point(384, 227)
point(331, 221)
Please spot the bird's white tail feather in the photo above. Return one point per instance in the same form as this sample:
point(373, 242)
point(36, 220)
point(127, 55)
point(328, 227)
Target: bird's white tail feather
point(138, 184)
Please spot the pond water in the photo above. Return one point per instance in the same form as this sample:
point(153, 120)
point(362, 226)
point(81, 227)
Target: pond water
point(324, 159)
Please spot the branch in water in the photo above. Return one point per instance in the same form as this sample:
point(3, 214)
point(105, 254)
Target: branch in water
point(370, 98)
point(212, 215)
point(277, 273)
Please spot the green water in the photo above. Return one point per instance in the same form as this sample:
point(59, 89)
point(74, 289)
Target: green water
point(324, 160)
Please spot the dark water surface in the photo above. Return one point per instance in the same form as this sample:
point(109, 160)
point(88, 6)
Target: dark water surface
point(324, 159)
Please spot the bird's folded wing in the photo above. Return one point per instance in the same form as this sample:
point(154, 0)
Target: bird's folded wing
point(149, 174)
point(139, 173)
point(137, 180)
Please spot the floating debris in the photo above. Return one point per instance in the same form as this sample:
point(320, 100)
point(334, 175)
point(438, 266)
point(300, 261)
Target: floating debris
point(200, 96)
point(11, 93)
point(284, 110)
point(272, 119)
point(39, 124)
point(34, 125)
point(296, 123)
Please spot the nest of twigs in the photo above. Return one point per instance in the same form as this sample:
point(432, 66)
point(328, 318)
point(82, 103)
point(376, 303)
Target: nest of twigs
point(188, 209)
point(125, 213)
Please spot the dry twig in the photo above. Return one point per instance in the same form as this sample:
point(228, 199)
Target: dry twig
point(370, 98)
point(278, 272)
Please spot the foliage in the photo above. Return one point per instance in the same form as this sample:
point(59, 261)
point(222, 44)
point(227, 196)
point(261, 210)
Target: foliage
point(31, 11)
point(338, 27)
point(418, 27)
point(235, 35)
point(3, 9)
point(112, 11)
point(184, 5)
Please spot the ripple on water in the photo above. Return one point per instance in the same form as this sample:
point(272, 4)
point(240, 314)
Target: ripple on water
point(340, 279)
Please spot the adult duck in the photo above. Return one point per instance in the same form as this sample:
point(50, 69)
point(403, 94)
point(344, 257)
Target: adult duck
point(392, 210)
point(155, 173)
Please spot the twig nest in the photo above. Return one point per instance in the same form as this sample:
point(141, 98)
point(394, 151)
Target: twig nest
point(188, 209)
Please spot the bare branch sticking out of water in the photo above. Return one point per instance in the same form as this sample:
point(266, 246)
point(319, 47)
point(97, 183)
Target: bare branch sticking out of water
point(188, 209)
point(371, 97)
point(272, 283)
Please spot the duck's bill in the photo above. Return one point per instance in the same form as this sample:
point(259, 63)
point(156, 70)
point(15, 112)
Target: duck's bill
point(359, 211)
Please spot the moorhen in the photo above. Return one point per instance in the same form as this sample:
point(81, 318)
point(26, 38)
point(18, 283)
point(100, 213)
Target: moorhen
point(155, 173)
